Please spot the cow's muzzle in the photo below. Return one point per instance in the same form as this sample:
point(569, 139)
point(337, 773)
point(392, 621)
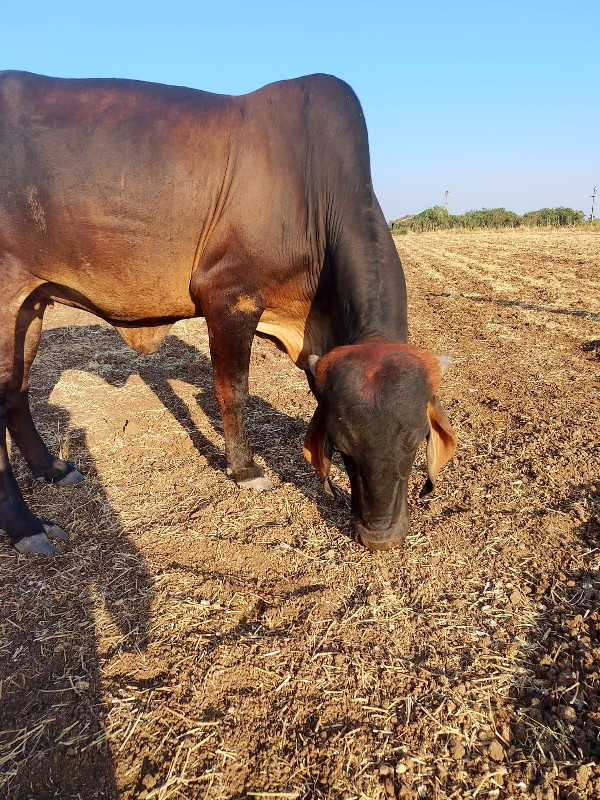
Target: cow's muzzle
point(376, 538)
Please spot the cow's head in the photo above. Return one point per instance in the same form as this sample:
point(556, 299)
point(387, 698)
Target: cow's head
point(376, 404)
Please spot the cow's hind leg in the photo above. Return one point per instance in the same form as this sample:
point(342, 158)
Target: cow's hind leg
point(21, 427)
point(28, 533)
point(231, 326)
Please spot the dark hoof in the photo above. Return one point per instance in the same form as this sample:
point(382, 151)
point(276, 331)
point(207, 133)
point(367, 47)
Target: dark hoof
point(38, 543)
point(71, 478)
point(54, 532)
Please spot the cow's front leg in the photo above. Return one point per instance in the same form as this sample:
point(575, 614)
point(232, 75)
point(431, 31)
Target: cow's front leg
point(231, 328)
point(28, 533)
point(21, 427)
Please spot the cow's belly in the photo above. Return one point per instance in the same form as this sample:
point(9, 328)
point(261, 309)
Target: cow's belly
point(124, 271)
point(122, 248)
point(128, 300)
point(141, 304)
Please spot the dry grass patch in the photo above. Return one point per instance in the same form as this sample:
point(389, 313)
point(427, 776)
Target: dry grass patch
point(192, 640)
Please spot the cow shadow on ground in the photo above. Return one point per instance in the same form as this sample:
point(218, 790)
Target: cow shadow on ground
point(557, 699)
point(272, 434)
point(499, 301)
point(54, 718)
point(53, 715)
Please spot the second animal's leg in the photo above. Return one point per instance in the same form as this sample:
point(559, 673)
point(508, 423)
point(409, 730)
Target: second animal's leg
point(20, 423)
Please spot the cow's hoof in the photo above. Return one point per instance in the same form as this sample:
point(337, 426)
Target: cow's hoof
point(252, 477)
point(54, 532)
point(38, 543)
point(259, 484)
point(71, 478)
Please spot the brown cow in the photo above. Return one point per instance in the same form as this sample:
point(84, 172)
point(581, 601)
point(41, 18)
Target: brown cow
point(146, 204)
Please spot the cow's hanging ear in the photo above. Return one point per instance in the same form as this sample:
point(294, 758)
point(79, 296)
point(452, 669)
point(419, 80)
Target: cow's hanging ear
point(317, 447)
point(441, 443)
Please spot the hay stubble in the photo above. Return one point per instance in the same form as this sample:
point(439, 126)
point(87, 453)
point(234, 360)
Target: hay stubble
point(193, 640)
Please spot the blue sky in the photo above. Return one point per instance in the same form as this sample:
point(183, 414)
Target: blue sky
point(497, 102)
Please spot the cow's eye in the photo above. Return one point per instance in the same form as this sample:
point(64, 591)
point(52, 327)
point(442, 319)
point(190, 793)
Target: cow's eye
point(414, 440)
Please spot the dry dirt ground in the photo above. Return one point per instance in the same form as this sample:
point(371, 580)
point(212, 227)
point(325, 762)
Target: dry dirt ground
point(195, 641)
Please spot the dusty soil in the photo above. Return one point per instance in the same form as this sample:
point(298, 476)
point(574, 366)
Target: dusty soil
point(195, 641)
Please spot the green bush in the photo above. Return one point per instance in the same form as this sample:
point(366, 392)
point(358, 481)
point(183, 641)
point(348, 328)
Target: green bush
point(488, 218)
point(432, 219)
point(553, 217)
point(437, 218)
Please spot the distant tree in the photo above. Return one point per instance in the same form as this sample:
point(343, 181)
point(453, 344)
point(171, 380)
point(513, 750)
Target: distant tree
point(432, 219)
point(489, 218)
point(553, 217)
point(437, 218)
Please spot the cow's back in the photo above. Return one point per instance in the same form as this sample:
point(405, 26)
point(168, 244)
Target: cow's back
point(118, 191)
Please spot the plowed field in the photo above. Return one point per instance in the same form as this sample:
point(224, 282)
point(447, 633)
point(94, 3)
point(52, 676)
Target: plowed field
point(195, 641)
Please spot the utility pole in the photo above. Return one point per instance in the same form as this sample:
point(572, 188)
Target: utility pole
point(593, 196)
point(446, 193)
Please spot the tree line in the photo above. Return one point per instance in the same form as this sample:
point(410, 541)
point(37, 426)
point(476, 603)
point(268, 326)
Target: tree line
point(438, 218)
